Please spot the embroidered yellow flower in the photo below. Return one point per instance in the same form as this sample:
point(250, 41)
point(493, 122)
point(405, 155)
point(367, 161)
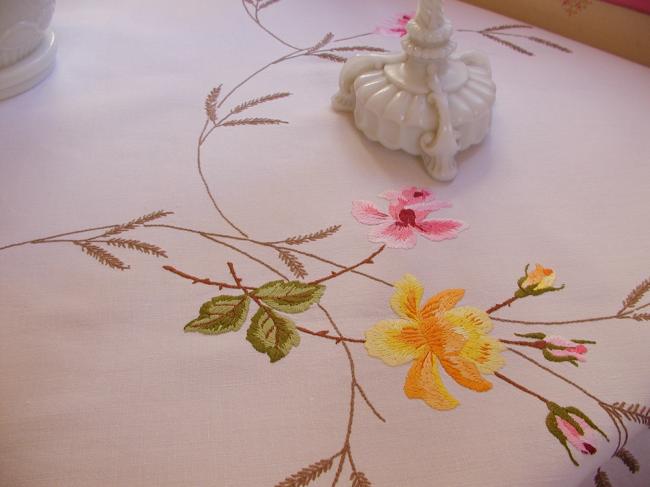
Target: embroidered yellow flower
point(432, 334)
point(540, 278)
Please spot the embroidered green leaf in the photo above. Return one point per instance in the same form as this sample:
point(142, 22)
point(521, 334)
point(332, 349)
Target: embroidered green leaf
point(272, 334)
point(559, 358)
point(536, 336)
point(291, 296)
point(220, 315)
point(551, 425)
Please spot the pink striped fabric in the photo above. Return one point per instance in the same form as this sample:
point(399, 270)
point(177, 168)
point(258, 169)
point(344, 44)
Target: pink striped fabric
point(640, 5)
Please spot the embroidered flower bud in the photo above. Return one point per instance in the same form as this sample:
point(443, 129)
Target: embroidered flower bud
point(536, 282)
point(573, 427)
point(560, 349)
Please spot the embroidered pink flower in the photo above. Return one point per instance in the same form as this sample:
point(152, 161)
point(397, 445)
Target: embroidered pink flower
point(573, 427)
point(395, 27)
point(408, 210)
point(557, 348)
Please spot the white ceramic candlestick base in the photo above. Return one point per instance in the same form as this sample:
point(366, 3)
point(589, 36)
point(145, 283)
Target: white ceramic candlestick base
point(424, 101)
point(27, 46)
point(30, 70)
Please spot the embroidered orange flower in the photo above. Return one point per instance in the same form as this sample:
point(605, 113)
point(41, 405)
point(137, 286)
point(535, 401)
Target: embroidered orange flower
point(432, 334)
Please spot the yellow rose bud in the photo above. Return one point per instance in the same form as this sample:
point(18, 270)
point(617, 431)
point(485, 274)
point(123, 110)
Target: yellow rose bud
point(540, 278)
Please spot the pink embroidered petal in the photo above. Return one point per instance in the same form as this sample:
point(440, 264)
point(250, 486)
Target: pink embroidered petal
point(437, 230)
point(390, 195)
point(394, 235)
point(576, 352)
point(583, 443)
point(367, 213)
point(415, 194)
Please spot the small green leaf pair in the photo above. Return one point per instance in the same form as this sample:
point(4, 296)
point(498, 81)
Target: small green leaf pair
point(269, 332)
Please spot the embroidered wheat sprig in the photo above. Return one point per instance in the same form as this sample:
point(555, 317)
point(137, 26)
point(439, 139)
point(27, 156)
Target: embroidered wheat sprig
point(307, 475)
point(506, 27)
point(330, 57)
point(601, 479)
point(266, 4)
point(102, 256)
point(144, 247)
point(641, 316)
point(313, 237)
point(321, 44)
point(359, 479)
point(357, 48)
point(633, 412)
point(258, 101)
point(636, 295)
point(539, 40)
point(291, 261)
point(133, 224)
point(628, 459)
point(253, 121)
point(211, 103)
point(503, 42)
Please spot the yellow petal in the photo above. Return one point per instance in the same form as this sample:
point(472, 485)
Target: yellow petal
point(396, 342)
point(406, 299)
point(484, 351)
point(548, 280)
point(472, 321)
point(423, 382)
point(441, 302)
point(465, 373)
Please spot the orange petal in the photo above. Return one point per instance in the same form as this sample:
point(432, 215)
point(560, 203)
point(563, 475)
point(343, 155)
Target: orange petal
point(465, 373)
point(396, 342)
point(423, 382)
point(406, 300)
point(441, 302)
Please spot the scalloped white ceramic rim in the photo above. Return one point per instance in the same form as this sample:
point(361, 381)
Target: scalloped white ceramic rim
point(29, 71)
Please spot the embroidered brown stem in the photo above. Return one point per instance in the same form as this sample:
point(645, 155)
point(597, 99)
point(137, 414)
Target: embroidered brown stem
point(521, 388)
point(271, 245)
point(45, 239)
point(367, 260)
point(256, 18)
point(568, 322)
point(541, 344)
point(354, 386)
point(326, 335)
point(206, 281)
point(497, 307)
point(222, 285)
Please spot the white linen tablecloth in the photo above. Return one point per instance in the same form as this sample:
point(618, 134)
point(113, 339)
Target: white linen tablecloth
point(101, 386)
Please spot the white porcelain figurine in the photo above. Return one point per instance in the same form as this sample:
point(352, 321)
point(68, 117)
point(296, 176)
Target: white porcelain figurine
point(426, 100)
point(27, 46)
